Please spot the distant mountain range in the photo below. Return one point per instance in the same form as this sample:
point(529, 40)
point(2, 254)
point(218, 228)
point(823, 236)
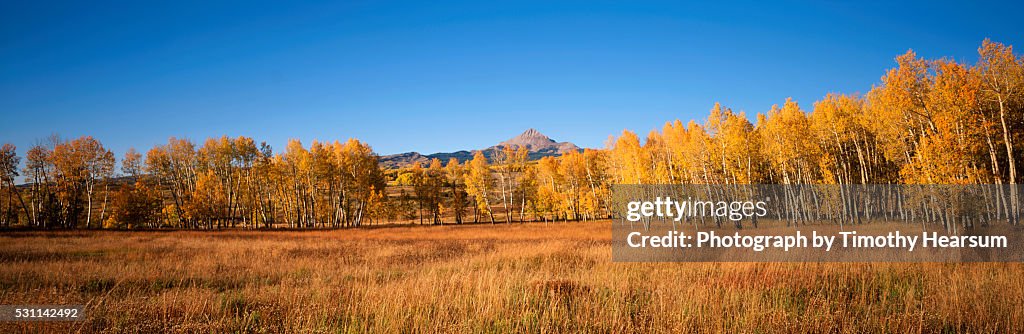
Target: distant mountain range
point(537, 143)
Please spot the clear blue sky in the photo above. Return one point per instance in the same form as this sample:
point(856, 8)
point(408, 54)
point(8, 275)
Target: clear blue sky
point(429, 77)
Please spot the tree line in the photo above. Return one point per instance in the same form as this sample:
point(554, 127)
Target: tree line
point(935, 121)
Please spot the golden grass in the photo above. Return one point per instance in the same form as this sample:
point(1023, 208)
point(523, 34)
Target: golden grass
point(519, 278)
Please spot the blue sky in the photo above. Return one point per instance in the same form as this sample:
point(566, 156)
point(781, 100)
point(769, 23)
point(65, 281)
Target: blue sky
point(442, 76)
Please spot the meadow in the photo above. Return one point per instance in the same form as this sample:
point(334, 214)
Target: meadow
point(535, 277)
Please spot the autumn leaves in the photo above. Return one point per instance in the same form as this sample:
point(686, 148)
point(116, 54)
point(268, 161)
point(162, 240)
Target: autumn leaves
point(927, 122)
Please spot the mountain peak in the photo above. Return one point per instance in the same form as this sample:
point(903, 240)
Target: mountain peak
point(530, 137)
point(535, 141)
point(532, 133)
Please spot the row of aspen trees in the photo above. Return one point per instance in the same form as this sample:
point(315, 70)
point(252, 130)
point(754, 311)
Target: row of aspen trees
point(505, 188)
point(226, 182)
point(934, 122)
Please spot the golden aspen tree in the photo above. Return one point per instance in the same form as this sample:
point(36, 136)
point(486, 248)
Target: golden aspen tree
point(455, 178)
point(265, 178)
point(655, 151)
point(174, 166)
point(572, 168)
point(1002, 84)
point(44, 209)
point(833, 124)
point(949, 154)
point(629, 162)
point(509, 163)
point(207, 201)
point(215, 159)
point(790, 146)
point(596, 165)
point(318, 177)
point(841, 154)
point(480, 183)
point(697, 152)
point(131, 164)
point(548, 198)
point(296, 166)
point(740, 150)
point(79, 165)
point(788, 139)
point(677, 140)
point(361, 178)
point(433, 186)
point(898, 108)
point(716, 146)
point(420, 188)
point(283, 191)
point(9, 162)
point(520, 181)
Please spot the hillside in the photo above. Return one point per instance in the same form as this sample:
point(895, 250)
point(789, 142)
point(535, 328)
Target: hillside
point(537, 143)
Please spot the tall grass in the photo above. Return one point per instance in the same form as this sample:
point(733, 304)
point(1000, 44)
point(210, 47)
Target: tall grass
point(518, 278)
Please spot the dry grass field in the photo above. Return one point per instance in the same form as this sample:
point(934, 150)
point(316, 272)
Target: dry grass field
point(519, 278)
